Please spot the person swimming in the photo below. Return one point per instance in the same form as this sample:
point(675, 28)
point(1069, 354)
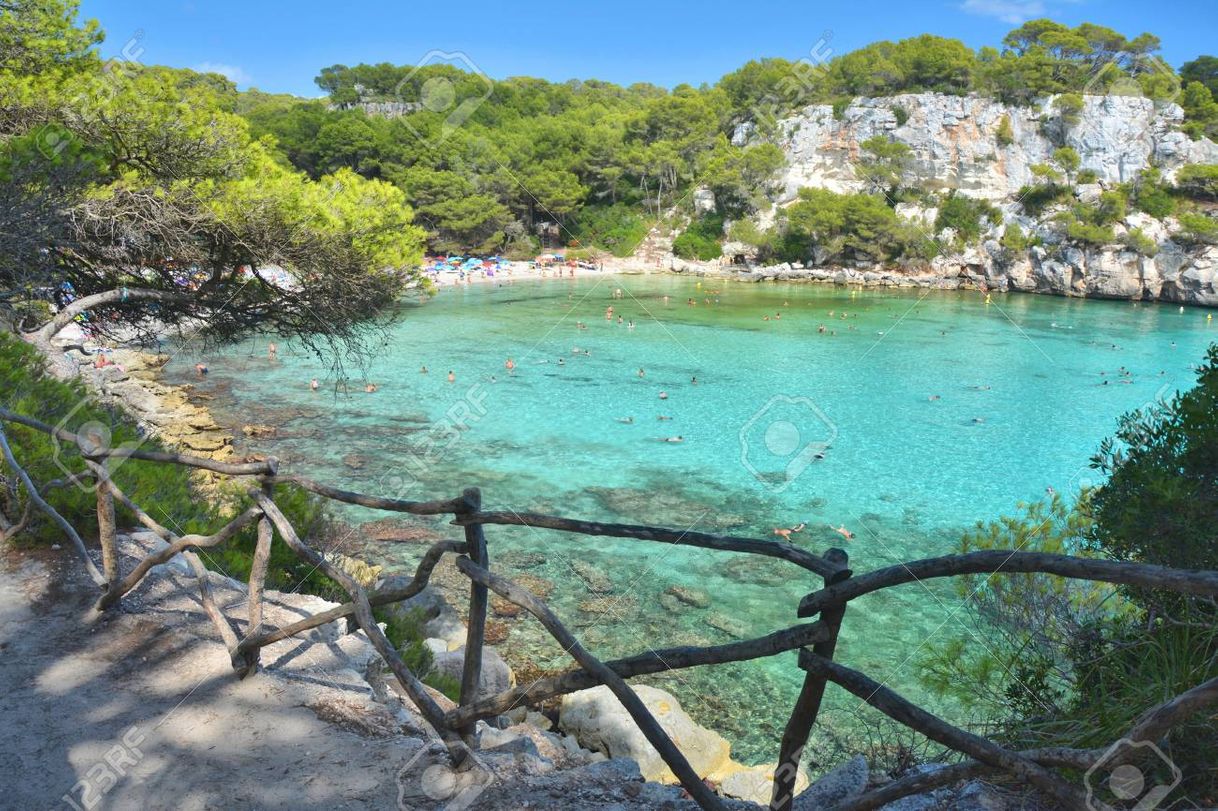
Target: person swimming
point(510, 365)
point(693, 381)
point(272, 351)
point(677, 438)
point(422, 370)
point(562, 361)
point(370, 388)
point(845, 533)
point(314, 385)
point(662, 417)
point(641, 373)
point(201, 369)
point(626, 420)
point(452, 378)
point(663, 395)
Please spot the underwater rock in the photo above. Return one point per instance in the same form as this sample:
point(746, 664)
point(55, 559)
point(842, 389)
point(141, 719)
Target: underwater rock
point(671, 603)
point(521, 560)
point(355, 461)
point(597, 581)
point(665, 507)
point(755, 571)
point(729, 625)
point(259, 431)
point(504, 608)
point(608, 605)
point(393, 529)
point(690, 596)
point(537, 585)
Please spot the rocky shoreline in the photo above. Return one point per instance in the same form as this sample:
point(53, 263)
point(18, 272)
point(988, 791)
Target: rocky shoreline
point(1172, 276)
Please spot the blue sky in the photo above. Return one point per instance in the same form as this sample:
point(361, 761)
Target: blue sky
point(279, 47)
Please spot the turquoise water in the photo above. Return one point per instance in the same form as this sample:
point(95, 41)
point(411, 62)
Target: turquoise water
point(1020, 407)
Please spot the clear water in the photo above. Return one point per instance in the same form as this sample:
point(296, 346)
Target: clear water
point(1020, 406)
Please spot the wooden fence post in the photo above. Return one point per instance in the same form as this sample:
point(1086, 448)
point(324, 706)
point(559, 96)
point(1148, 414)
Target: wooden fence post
point(807, 706)
point(258, 569)
point(106, 529)
point(475, 541)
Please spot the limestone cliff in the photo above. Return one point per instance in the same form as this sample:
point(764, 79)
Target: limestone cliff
point(955, 146)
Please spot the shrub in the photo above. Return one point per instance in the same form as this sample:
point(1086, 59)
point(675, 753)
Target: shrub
point(839, 108)
point(1150, 195)
point(1005, 135)
point(965, 215)
point(700, 240)
point(404, 630)
point(1136, 240)
point(1088, 176)
point(1198, 229)
point(165, 490)
point(849, 226)
point(1037, 198)
point(618, 228)
point(1014, 240)
point(901, 114)
point(1069, 107)
point(1199, 181)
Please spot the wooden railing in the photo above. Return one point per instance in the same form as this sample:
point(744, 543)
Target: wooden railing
point(816, 641)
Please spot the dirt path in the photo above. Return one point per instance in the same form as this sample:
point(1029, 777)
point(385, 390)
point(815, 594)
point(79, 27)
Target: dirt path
point(140, 710)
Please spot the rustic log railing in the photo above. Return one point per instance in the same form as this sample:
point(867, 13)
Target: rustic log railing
point(816, 641)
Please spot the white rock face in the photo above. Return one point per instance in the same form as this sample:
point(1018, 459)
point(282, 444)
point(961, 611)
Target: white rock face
point(955, 146)
point(600, 723)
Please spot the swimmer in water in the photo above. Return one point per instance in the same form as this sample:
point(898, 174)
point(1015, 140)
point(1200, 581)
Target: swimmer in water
point(201, 369)
point(510, 365)
point(422, 370)
point(452, 378)
point(314, 385)
point(641, 373)
point(626, 420)
point(845, 533)
point(272, 351)
point(663, 395)
point(662, 417)
point(562, 362)
point(934, 397)
point(693, 381)
point(672, 438)
point(370, 388)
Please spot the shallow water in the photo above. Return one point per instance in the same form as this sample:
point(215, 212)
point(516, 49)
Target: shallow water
point(1020, 406)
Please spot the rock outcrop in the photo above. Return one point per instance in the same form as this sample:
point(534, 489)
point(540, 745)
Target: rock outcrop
point(954, 142)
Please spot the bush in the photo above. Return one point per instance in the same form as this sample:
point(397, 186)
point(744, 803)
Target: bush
point(700, 240)
point(1136, 240)
point(1198, 181)
point(849, 226)
point(965, 215)
point(901, 114)
point(404, 630)
point(1198, 229)
point(1037, 198)
point(1005, 135)
point(1088, 176)
point(165, 490)
point(1015, 241)
point(839, 108)
point(618, 228)
point(1150, 195)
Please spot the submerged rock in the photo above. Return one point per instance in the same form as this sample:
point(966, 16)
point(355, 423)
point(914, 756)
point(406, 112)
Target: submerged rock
point(596, 581)
point(690, 595)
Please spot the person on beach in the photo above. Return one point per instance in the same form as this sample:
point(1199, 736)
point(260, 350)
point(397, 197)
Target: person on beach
point(272, 351)
point(201, 369)
point(314, 385)
point(452, 378)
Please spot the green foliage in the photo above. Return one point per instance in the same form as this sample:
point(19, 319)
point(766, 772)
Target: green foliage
point(1198, 181)
point(1136, 240)
point(618, 228)
point(1204, 70)
point(1091, 223)
point(848, 226)
point(164, 490)
point(1087, 176)
point(1198, 229)
point(965, 215)
point(42, 35)
point(882, 163)
point(900, 114)
point(701, 239)
point(1151, 195)
point(1067, 159)
point(839, 107)
point(1069, 107)
point(1037, 198)
point(1014, 240)
point(1200, 110)
point(1004, 135)
point(404, 630)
